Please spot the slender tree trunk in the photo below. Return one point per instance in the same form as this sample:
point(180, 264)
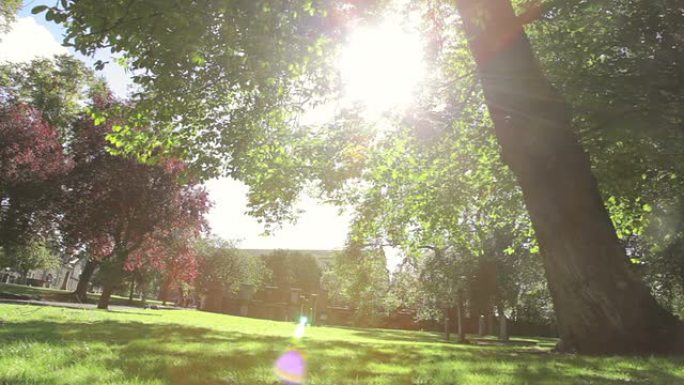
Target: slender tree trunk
point(103, 302)
point(601, 307)
point(81, 291)
point(142, 288)
point(131, 290)
point(65, 281)
point(446, 324)
point(490, 321)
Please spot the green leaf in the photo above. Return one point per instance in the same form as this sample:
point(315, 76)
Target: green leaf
point(647, 208)
point(38, 9)
point(198, 59)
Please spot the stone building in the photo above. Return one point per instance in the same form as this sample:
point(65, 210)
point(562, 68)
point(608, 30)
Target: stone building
point(64, 277)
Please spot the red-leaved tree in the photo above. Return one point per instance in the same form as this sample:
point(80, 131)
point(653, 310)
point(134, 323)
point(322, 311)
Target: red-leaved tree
point(32, 164)
point(113, 205)
point(172, 253)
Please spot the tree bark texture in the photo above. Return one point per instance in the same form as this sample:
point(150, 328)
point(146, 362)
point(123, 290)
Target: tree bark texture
point(601, 306)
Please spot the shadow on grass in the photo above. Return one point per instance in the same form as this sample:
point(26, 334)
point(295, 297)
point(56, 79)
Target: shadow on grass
point(142, 312)
point(177, 354)
point(55, 295)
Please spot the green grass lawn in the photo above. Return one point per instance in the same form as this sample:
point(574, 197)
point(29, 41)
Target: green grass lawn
point(64, 296)
point(49, 345)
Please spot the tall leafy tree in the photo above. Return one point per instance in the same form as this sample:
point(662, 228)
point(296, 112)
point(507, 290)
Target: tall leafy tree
point(359, 279)
point(293, 269)
point(58, 87)
point(34, 255)
point(578, 240)
point(224, 269)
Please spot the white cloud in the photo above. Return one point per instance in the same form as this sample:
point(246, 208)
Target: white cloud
point(28, 40)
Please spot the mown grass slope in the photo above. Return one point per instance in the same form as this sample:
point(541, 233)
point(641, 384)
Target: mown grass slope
point(48, 345)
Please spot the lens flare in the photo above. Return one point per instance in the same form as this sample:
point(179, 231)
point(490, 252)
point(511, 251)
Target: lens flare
point(301, 327)
point(291, 368)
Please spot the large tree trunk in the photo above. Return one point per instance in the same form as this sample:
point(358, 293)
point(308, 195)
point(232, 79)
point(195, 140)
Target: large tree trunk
point(601, 307)
point(81, 292)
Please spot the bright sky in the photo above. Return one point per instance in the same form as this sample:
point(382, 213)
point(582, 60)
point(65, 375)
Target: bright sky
point(380, 66)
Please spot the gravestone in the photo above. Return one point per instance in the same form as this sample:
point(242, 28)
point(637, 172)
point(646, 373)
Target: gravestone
point(481, 326)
